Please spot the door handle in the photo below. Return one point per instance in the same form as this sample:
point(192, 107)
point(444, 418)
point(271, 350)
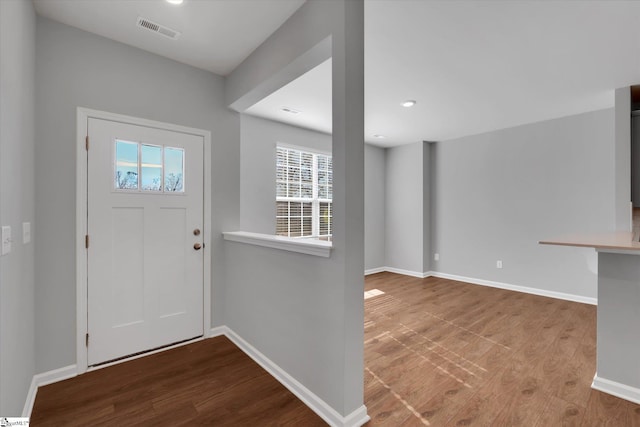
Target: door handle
point(197, 246)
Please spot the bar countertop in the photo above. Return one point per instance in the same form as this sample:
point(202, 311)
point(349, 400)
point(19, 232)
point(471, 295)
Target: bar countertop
point(624, 241)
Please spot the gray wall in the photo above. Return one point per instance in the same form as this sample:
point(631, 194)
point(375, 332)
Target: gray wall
point(304, 312)
point(17, 193)
point(76, 68)
point(428, 191)
point(259, 138)
point(374, 206)
point(404, 207)
point(499, 193)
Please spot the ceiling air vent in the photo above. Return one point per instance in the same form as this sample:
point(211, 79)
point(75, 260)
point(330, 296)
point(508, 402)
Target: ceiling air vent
point(157, 28)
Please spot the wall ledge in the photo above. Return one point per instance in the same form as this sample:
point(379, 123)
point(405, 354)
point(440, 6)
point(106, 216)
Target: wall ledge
point(291, 244)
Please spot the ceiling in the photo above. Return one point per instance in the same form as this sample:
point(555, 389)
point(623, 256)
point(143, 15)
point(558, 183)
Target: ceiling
point(309, 95)
point(478, 66)
point(472, 66)
point(216, 35)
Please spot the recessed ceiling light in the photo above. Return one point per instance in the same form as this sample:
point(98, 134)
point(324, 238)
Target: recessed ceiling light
point(290, 110)
point(175, 1)
point(409, 103)
point(379, 136)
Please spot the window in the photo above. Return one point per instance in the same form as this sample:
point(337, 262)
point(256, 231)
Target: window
point(304, 192)
point(147, 167)
point(126, 165)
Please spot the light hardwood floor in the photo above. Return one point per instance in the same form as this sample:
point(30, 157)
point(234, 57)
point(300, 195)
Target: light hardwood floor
point(437, 353)
point(446, 353)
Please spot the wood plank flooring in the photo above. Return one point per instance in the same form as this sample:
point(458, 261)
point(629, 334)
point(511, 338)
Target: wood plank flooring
point(446, 353)
point(437, 353)
point(209, 382)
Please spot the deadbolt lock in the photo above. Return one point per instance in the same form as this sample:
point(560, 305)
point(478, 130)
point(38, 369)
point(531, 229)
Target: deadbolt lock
point(196, 232)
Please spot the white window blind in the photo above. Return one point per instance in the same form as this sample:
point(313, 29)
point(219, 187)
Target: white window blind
point(304, 192)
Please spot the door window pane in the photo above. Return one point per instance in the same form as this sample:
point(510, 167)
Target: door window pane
point(151, 167)
point(126, 173)
point(173, 169)
point(160, 168)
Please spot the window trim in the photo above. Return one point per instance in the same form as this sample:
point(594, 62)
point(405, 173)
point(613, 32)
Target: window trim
point(302, 148)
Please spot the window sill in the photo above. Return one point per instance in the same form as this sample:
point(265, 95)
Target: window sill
point(304, 246)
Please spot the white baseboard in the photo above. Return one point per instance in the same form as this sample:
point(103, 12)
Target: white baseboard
point(43, 379)
point(482, 282)
point(398, 271)
point(510, 287)
point(217, 331)
point(623, 391)
point(417, 274)
point(374, 270)
point(356, 419)
point(31, 398)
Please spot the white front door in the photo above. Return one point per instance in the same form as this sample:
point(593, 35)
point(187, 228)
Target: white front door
point(145, 223)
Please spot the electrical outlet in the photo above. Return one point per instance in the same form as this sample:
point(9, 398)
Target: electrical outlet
point(436, 257)
point(499, 263)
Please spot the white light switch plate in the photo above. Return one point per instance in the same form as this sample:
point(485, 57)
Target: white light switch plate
point(6, 240)
point(26, 232)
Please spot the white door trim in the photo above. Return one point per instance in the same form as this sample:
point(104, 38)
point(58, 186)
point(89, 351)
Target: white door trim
point(83, 114)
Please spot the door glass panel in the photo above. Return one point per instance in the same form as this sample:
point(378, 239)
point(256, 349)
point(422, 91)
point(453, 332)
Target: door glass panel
point(151, 167)
point(126, 173)
point(174, 169)
point(161, 168)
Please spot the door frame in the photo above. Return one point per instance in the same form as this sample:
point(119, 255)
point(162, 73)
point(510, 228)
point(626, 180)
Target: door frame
point(83, 115)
